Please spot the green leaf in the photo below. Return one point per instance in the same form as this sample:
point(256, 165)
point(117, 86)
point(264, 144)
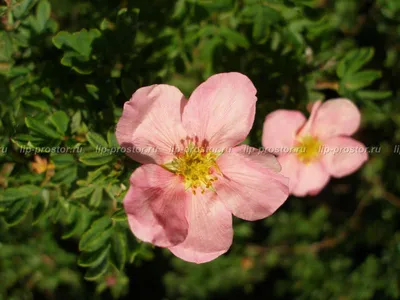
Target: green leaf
point(66, 175)
point(48, 93)
point(93, 90)
point(82, 192)
point(119, 249)
point(354, 61)
point(17, 212)
point(112, 140)
point(60, 121)
point(42, 129)
point(89, 259)
point(373, 95)
point(43, 11)
point(96, 140)
point(6, 46)
point(39, 210)
point(80, 222)
point(97, 235)
point(119, 215)
point(353, 82)
point(97, 271)
point(17, 193)
point(96, 197)
point(261, 27)
point(62, 160)
point(80, 41)
point(95, 158)
point(234, 37)
point(22, 7)
point(41, 104)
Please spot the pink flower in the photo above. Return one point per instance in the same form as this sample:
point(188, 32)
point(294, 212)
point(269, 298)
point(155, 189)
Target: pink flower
point(194, 178)
point(312, 151)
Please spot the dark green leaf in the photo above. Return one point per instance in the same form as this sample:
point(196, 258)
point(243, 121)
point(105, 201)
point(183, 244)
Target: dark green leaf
point(354, 61)
point(95, 158)
point(16, 193)
point(90, 259)
point(82, 192)
point(97, 271)
point(96, 140)
point(43, 12)
point(353, 82)
point(97, 235)
point(17, 212)
point(42, 129)
point(118, 250)
point(60, 121)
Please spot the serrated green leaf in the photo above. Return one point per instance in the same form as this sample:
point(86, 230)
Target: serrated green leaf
point(42, 129)
point(91, 259)
point(97, 235)
point(96, 140)
point(60, 120)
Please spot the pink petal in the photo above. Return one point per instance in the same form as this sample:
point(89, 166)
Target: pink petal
point(312, 178)
point(260, 156)
point(156, 205)
point(249, 188)
point(306, 129)
point(210, 230)
point(336, 117)
point(290, 169)
point(221, 110)
point(280, 129)
point(344, 156)
point(150, 126)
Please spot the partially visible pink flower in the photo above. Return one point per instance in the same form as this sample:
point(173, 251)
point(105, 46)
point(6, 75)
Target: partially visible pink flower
point(194, 175)
point(312, 151)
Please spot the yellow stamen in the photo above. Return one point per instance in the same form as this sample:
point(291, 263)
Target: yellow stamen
point(308, 149)
point(196, 166)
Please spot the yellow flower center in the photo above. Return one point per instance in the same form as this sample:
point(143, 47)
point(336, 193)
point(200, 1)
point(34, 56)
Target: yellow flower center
point(308, 149)
point(196, 166)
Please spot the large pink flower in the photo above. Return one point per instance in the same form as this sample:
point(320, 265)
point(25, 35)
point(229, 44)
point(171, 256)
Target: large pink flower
point(312, 151)
point(194, 178)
